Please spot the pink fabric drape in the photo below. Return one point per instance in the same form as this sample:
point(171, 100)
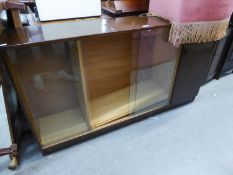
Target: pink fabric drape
point(194, 20)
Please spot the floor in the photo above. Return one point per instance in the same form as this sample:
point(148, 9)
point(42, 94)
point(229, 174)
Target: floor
point(195, 139)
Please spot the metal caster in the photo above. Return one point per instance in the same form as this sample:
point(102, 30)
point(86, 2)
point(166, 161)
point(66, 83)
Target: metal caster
point(13, 155)
point(14, 164)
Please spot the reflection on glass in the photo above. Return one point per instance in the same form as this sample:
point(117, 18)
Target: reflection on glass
point(157, 60)
point(49, 81)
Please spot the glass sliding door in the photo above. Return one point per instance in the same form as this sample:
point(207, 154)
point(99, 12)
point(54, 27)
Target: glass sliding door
point(47, 78)
point(156, 68)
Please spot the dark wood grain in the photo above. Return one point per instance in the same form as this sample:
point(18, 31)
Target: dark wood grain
point(192, 69)
point(74, 29)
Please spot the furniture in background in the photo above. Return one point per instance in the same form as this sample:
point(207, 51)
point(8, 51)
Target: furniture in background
point(124, 7)
point(12, 9)
point(222, 60)
point(226, 63)
point(13, 153)
point(196, 21)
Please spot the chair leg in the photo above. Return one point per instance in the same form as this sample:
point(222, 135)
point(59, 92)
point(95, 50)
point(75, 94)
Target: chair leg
point(13, 154)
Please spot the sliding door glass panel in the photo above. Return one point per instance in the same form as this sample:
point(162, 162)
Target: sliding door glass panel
point(48, 80)
point(107, 65)
point(156, 68)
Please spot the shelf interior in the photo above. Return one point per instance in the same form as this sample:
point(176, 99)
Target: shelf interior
point(61, 125)
point(119, 103)
point(148, 94)
point(110, 107)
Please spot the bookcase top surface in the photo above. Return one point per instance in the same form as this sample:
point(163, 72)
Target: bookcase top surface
point(74, 29)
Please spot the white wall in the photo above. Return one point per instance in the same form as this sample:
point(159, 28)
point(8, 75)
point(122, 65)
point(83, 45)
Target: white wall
point(65, 9)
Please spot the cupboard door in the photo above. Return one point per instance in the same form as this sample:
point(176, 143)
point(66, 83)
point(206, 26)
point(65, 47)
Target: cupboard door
point(48, 80)
point(107, 65)
point(156, 68)
point(127, 74)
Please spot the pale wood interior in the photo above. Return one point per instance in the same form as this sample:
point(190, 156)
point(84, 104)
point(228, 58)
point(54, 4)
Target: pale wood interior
point(110, 107)
point(149, 94)
point(117, 104)
point(61, 125)
point(107, 65)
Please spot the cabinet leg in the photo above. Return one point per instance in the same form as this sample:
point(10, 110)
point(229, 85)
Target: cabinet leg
point(14, 157)
point(13, 154)
point(14, 163)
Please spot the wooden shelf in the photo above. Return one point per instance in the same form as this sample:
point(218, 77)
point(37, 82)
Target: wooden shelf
point(109, 107)
point(61, 125)
point(148, 94)
point(119, 103)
